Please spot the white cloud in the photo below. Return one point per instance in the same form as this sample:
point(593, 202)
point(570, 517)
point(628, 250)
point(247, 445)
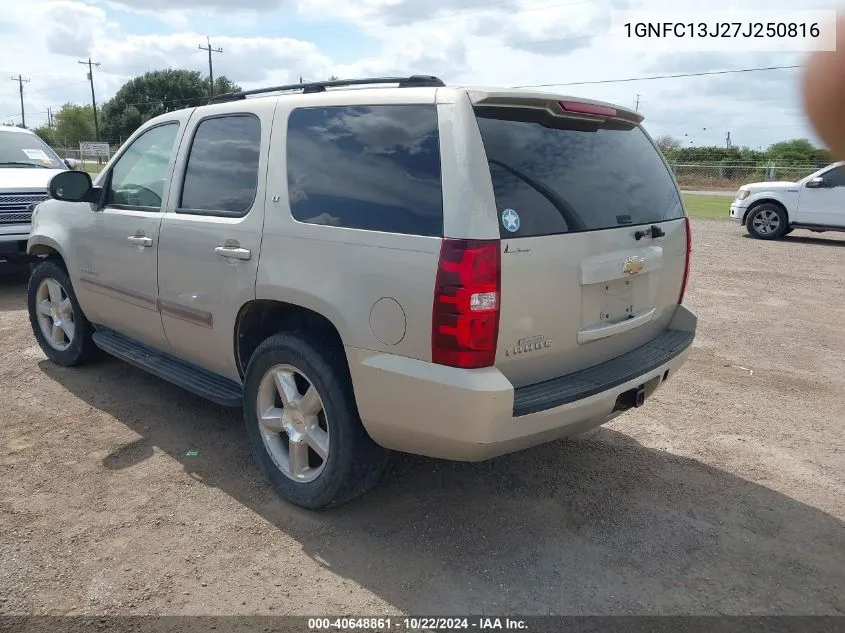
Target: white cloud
point(490, 42)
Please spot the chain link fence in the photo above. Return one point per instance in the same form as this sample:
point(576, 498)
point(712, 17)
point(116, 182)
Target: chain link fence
point(715, 176)
point(691, 176)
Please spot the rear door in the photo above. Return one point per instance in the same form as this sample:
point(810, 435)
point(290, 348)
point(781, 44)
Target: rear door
point(211, 232)
point(593, 234)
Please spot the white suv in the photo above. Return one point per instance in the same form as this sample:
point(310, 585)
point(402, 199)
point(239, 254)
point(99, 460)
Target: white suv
point(26, 166)
point(772, 209)
point(449, 271)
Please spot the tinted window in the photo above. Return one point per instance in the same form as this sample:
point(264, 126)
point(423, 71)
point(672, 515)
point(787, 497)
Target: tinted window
point(574, 177)
point(835, 177)
point(374, 168)
point(137, 178)
point(222, 172)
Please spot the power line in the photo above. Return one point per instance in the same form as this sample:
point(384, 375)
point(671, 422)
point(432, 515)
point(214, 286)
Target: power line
point(652, 77)
point(210, 68)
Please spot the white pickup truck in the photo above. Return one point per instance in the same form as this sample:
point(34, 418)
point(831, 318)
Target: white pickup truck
point(26, 166)
point(769, 210)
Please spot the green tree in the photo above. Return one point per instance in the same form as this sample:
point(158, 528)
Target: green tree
point(45, 132)
point(798, 151)
point(223, 84)
point(668, 144)
point(152, 94)
point(73, 123)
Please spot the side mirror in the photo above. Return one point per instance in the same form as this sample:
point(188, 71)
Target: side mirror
point(71, 163)
point(815, 183)
point(72, 186)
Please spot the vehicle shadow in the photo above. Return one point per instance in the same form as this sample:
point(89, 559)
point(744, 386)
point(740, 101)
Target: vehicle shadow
point(594, 525)
point(13, 280)
point(832, 239)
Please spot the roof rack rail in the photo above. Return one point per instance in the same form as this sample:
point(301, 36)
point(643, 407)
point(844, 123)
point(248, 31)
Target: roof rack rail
point(414, 81)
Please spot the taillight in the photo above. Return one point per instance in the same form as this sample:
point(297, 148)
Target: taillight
point(686, 264)
point(465, 316)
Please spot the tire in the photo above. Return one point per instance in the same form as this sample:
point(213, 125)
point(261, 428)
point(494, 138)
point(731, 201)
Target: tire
point(294, 364)
point(788, 231)
point(50, 283)
point(766, 222)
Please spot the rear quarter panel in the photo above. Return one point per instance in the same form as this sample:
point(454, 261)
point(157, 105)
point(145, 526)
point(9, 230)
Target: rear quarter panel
point(340, 272)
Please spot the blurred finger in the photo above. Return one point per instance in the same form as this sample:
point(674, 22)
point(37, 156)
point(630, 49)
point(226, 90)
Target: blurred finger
point(824, 93)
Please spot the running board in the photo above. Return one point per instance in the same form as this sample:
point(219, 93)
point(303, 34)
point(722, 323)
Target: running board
point(186, 375)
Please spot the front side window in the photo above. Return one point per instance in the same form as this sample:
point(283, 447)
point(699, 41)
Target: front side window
point(375, 168)
point(222, 172)
point(835, 177)
point(138, 177)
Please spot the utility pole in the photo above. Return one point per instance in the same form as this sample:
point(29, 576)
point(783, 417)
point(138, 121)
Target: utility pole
point(90, 65)
point(21, 81)
point(637, 105)
point(210, 67)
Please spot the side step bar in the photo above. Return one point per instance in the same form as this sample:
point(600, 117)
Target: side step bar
point(186, 375)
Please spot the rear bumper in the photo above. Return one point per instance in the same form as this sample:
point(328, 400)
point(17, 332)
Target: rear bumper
point(471, 415)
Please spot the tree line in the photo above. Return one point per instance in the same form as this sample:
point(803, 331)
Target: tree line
point(799, 152)
point(137, 101)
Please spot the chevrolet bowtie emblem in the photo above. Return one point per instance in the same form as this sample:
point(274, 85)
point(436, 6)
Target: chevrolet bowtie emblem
point(633, 265)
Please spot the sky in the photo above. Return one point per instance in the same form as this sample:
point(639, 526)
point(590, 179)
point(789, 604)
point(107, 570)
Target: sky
point(477, 42)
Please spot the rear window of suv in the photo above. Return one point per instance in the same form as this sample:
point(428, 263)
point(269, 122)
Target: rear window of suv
point(375, 168)
point(569, 178)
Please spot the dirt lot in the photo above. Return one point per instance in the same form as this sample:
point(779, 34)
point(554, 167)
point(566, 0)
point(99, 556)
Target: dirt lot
point(726, 494)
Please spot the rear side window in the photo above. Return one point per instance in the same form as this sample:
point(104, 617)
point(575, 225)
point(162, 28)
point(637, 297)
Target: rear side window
point(222, 173)
point(550, 180)
point(374, 167)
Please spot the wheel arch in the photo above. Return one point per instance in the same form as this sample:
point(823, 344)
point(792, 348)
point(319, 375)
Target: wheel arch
point(46, 247)
point(766, 200)
point(259, 319)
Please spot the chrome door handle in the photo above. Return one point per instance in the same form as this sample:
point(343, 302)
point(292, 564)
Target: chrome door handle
point(233, 252)
point(140, 240)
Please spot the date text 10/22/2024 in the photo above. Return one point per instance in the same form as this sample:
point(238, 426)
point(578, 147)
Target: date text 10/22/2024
point(417, 624)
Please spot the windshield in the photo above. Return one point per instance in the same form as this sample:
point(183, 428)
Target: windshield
point(572, 177)
point(18, 149)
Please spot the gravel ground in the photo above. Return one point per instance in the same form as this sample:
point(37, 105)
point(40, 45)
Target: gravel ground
point(723, 495)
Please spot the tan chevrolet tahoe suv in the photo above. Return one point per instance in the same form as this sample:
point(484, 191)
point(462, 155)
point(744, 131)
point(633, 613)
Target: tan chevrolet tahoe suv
point(377, 264)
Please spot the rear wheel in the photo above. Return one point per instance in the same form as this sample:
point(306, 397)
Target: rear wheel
point(766, 222)
point(303, 424)
point(57, 320)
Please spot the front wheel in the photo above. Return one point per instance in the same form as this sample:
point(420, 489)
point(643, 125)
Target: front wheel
point(57, 320)
point(303, 424)
point(766, 222)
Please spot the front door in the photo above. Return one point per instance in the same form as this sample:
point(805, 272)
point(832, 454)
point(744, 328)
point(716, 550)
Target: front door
point(824, 205)
point(117, 249)
point(211, 233)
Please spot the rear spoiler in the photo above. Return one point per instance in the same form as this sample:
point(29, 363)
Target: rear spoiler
point(555, 105)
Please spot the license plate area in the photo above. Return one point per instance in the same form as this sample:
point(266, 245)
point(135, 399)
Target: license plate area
point(613, 301)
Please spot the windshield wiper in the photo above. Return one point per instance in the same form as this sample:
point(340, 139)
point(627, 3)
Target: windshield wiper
point(17, 163)
point(569, 215)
